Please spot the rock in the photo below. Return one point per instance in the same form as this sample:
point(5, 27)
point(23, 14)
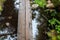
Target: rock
point(34, 6)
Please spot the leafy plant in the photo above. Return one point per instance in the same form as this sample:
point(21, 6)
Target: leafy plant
point(41, 3)
point(58, 28)
point(52, 35)
point(51, 14)
point(52, 21)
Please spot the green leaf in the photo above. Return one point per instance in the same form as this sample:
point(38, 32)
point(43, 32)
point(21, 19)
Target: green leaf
point(57, 21)
point(52, 21)
point(57, 28)
point(41, 3)
point(49, 34)
point(1, 8)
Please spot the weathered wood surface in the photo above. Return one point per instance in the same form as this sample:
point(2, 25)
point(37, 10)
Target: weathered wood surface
point(24, 21)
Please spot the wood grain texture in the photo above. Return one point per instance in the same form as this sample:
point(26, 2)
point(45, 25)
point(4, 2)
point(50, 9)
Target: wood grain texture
point(24, 21)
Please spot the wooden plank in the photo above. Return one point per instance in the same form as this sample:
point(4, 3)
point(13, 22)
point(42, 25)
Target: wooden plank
point(21, 20)
point(24, 21)
point(28, 21)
